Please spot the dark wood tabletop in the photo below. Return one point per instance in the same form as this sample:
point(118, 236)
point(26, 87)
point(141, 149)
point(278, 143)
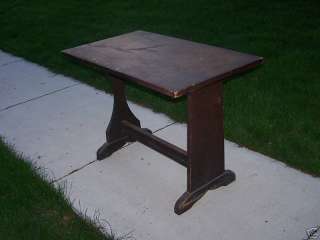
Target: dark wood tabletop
point(165, 64)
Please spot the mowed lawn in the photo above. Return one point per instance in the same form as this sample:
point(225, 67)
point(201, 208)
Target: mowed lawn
point(31, 209)
point(274, 109)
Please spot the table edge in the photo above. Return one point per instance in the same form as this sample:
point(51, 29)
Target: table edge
point(170, 93)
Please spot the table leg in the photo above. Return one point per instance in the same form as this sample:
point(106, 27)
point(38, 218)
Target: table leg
point(115, 134)
point(205, 167)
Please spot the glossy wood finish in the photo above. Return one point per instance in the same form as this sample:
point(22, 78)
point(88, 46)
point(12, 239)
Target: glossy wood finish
point(173, 67)
point(165, 64)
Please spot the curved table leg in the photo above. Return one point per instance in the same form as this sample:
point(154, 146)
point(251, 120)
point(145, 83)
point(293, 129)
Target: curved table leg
point(115, 134)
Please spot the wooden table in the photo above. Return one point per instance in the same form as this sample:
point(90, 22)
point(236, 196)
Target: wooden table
point(173, 67)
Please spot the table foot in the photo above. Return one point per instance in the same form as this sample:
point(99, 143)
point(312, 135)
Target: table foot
point(147, 130)
point(110, 147)
point(224, 179)
point(187, 199)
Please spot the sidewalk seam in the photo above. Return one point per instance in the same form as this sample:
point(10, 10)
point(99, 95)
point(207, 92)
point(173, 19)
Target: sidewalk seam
point(8, 63)
point(73, 171)
point(35, 98)
point(87, 164)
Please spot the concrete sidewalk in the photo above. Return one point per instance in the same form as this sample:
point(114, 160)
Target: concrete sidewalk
point(59, 123)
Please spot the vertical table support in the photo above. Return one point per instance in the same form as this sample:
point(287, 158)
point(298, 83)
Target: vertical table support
point(115, 134)
point(162, 70)
point(205, 168)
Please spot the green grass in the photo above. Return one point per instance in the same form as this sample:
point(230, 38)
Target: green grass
point(32, 209)
point(273, 110)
